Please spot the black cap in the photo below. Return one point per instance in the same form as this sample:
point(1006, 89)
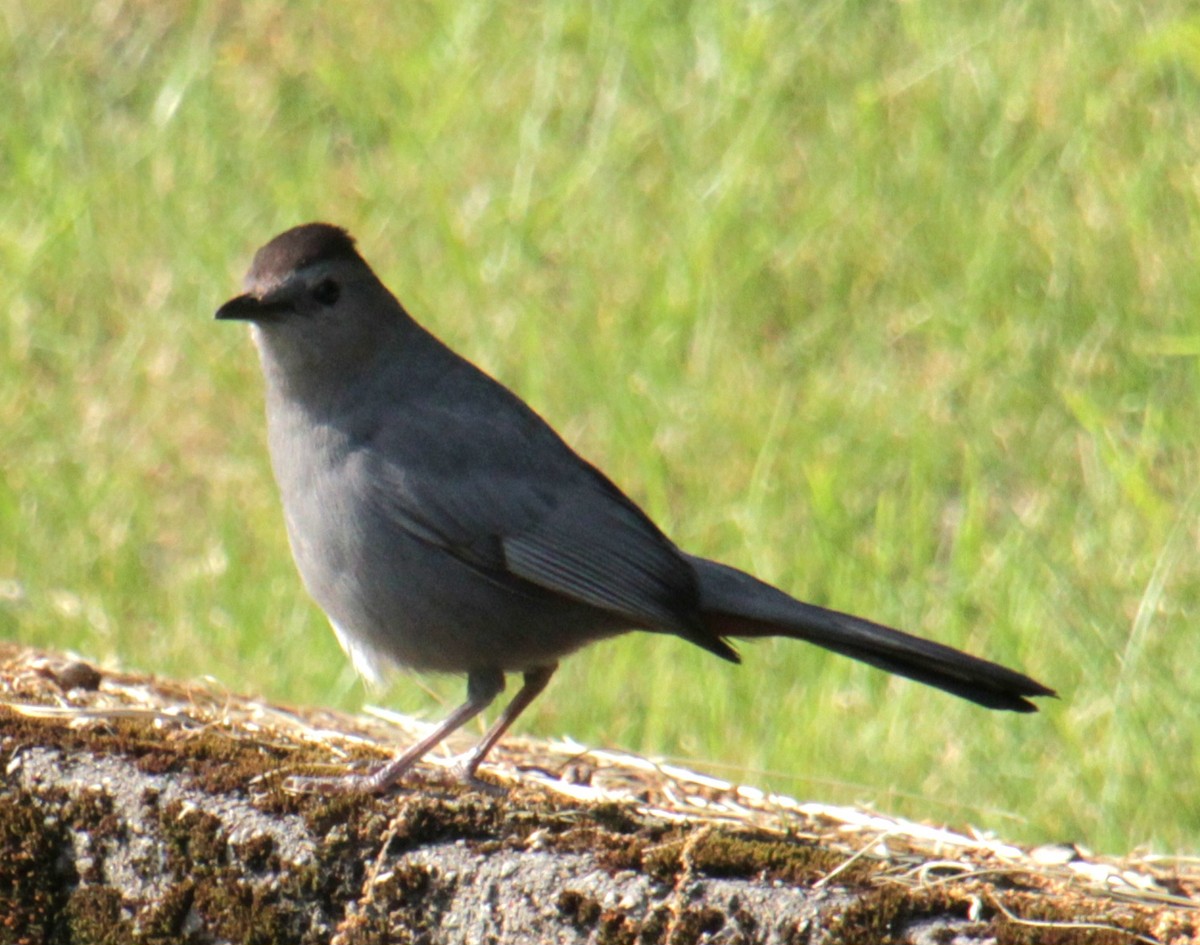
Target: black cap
point(299, 247)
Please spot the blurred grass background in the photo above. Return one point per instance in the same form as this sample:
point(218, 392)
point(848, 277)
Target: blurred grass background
point(891, 303)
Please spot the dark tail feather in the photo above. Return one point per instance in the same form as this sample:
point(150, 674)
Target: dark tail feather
point(734, 604)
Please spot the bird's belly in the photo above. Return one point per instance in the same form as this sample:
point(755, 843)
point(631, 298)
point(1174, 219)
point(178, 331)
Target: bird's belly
point(417, 606)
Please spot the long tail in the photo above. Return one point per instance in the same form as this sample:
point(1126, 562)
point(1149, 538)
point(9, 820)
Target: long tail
point(734, 604)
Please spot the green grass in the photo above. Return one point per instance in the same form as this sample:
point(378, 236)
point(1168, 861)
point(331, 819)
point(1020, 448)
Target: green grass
point(891, 303)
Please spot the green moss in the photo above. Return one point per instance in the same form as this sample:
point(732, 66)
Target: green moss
point(35, 873)
point(219, 762)
point(195, 841)
point(656, 925)
point(615, 854)
point(91, 815)
point(788, 861)
point(615, 929)
point(616, 817)
point(691, 924)
point(323, 814)
point(658, 850)
point(95, 915)
point(428, 819)
point(258, 854)
point(581, 911)
point(233, 909)
point(876, 915)
point(880, 913)
point(611, 927)
point(412, 901)
point(164, 925)
point(1037, 908)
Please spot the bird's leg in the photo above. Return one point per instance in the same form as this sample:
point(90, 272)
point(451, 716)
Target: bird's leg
point(535, 682)
point(482, 689)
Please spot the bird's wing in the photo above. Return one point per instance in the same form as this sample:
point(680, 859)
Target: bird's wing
point(503, 493)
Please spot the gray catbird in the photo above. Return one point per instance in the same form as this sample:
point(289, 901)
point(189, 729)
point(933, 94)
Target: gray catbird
point(442, 525)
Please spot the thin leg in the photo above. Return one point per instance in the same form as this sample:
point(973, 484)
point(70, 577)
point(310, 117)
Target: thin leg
point(535, 682)
point(482, 689)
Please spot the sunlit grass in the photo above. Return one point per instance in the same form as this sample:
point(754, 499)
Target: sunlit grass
point(892, 304)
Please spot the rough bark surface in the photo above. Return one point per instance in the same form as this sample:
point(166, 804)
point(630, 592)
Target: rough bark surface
point(127, 828)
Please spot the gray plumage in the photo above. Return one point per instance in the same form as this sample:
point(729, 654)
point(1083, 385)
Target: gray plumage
point(443, 525)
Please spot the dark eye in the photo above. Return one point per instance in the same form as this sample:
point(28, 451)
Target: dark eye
point(326, 291)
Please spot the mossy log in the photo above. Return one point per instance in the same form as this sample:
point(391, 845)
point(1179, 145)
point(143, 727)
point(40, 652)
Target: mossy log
point(125, 817)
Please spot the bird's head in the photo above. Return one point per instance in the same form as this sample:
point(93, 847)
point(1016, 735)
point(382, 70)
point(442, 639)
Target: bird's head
point(315, 306)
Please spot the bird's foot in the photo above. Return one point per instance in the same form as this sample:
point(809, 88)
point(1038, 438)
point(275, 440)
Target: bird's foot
point(382, 779)
point(333, 785)
point(469, 779)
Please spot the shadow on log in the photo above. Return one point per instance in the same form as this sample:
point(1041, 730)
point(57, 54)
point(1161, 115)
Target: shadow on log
point(143, 810)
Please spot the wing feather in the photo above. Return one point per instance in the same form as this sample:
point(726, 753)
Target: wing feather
point(506, 495)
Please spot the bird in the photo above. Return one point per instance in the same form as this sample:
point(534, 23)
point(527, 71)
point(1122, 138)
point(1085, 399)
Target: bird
point(443, 526)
